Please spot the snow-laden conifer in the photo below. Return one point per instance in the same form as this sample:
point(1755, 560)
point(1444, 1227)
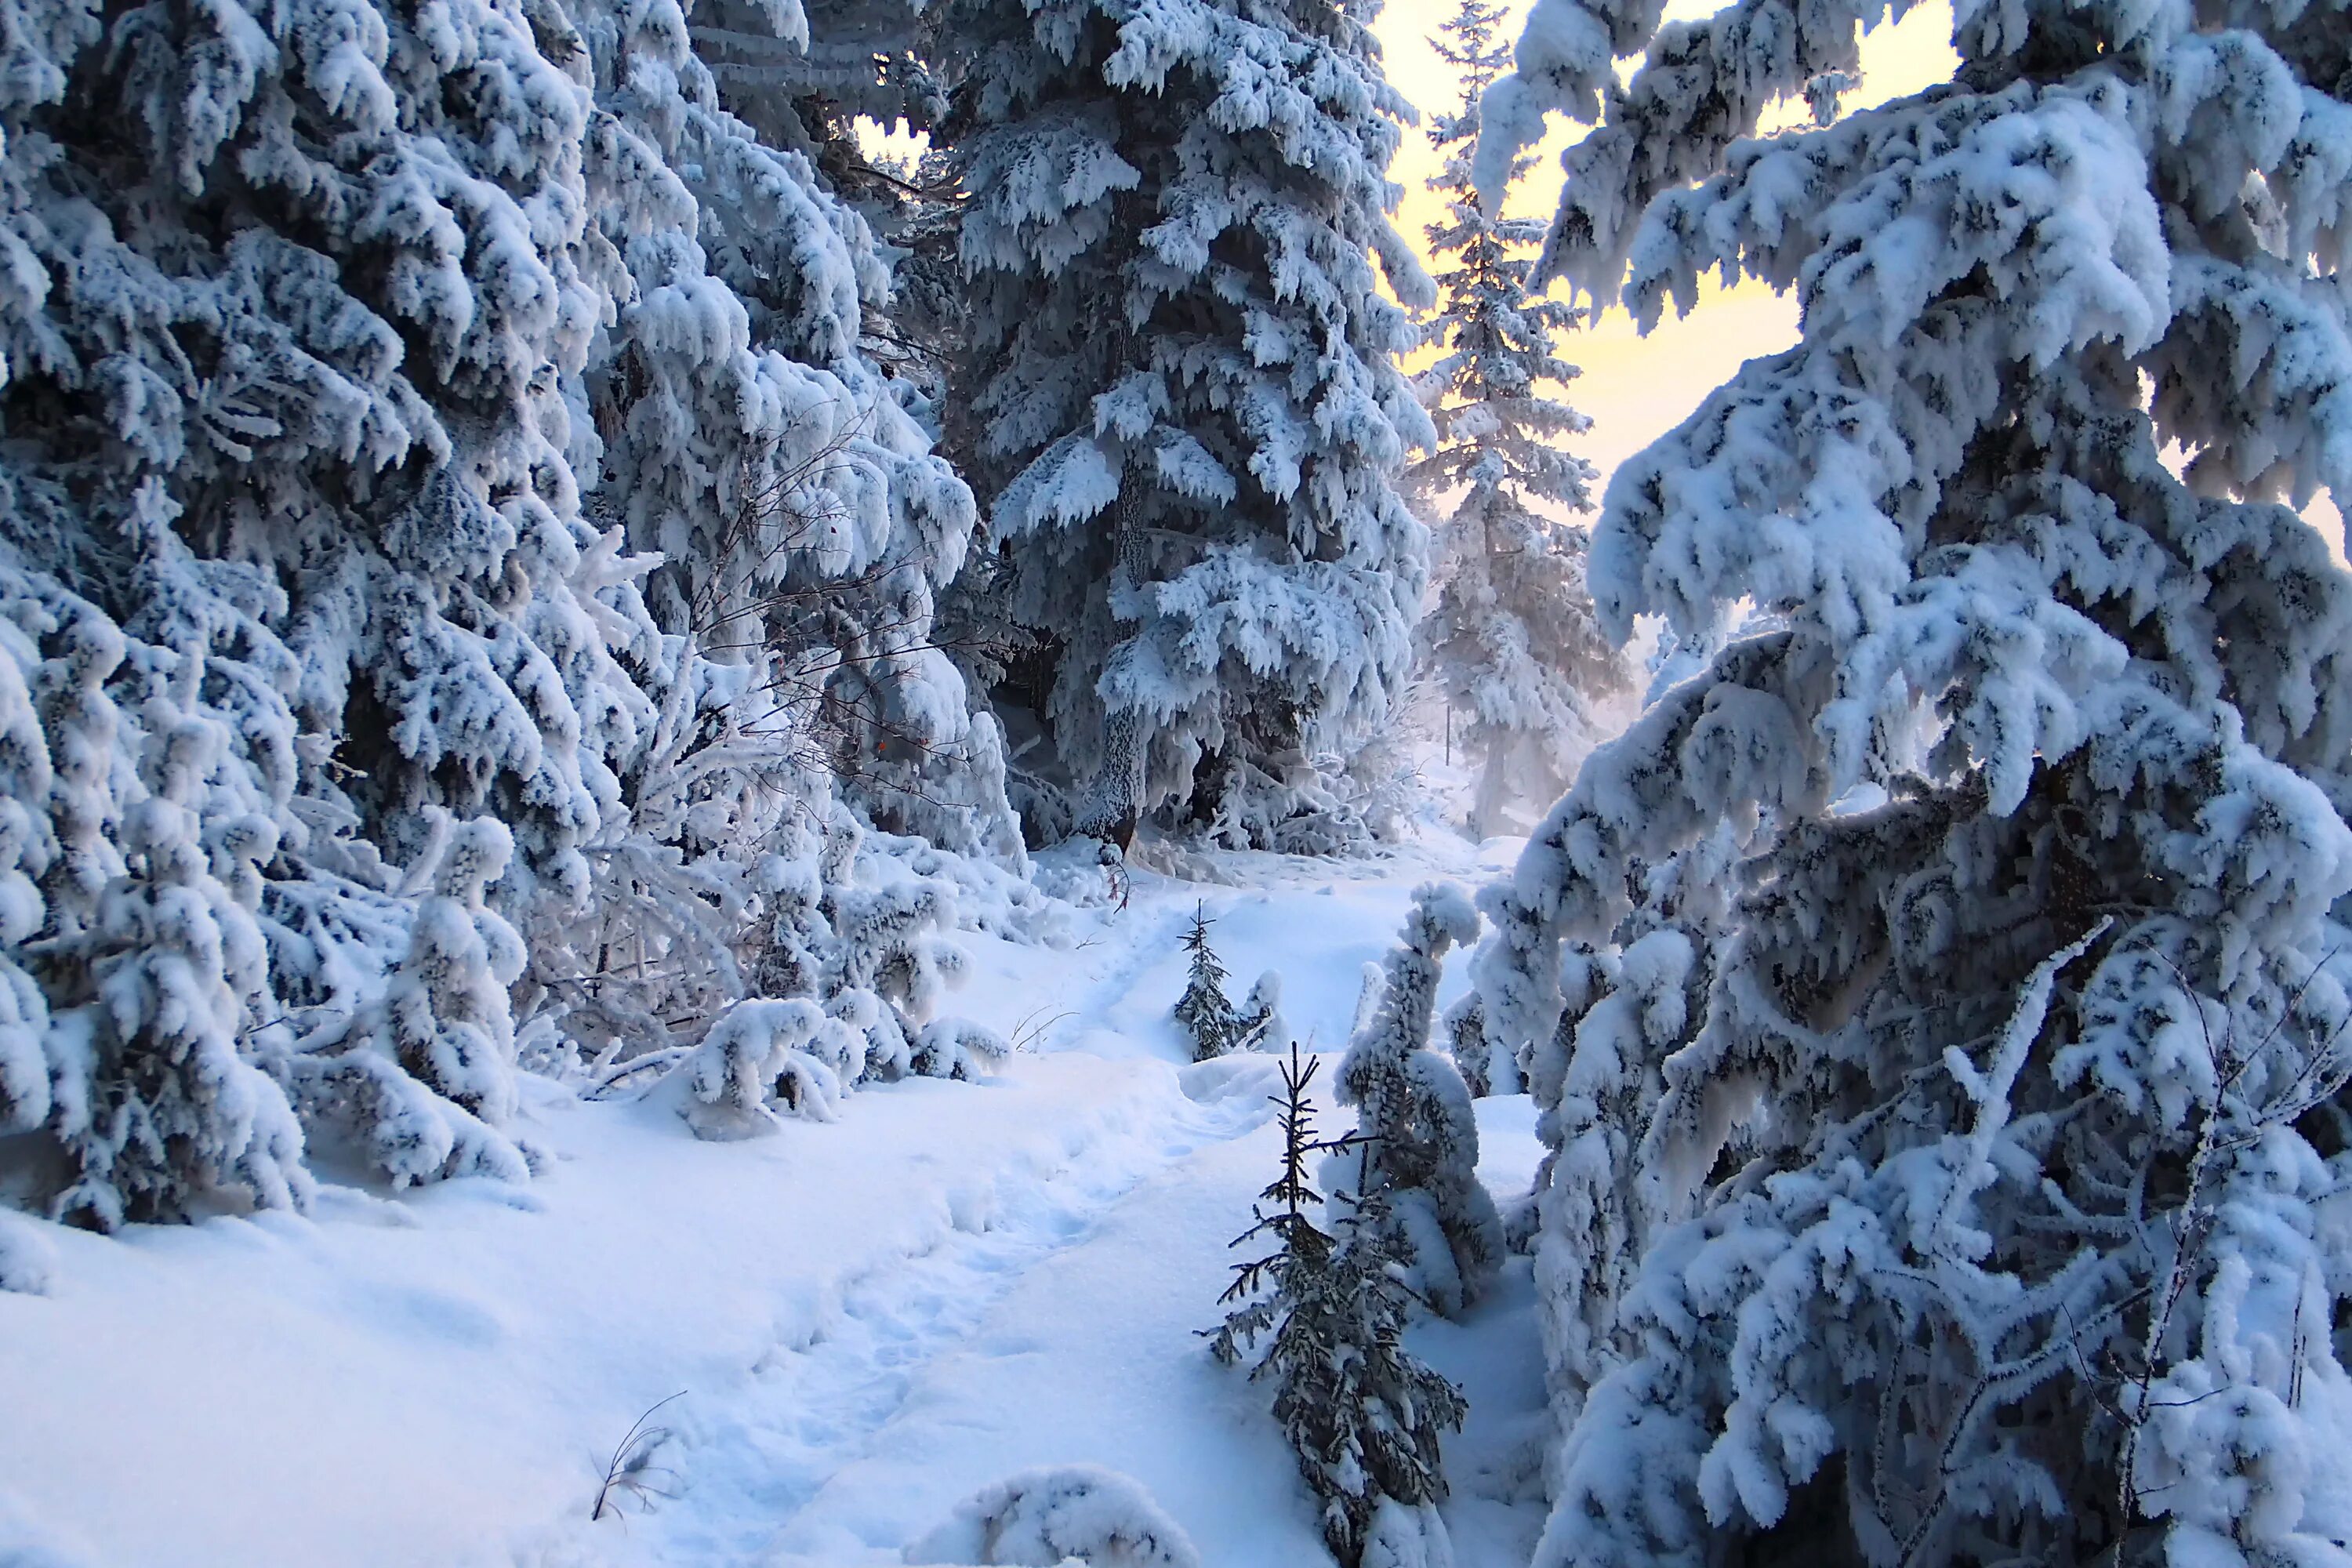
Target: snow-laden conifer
point(355, 361)
point(1263, 1026)
point(1512, 635)
point(1464, 1026)
point(1418, 1153)
point(1959, 1187)
point(1190, 419)
point(765, 1056)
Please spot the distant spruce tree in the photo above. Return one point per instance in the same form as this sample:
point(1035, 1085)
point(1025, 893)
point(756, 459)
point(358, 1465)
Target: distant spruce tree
point(1513, 637)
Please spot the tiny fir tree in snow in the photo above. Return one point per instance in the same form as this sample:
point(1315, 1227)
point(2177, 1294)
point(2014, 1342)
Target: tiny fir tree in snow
point(1190, 419)
point(1956, 1180)
point(1205, 1012)
point(1513, 637)
point(1417, 1159)
point(1364, 1417)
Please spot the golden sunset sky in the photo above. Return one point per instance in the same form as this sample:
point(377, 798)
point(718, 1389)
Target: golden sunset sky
point(1634, 388)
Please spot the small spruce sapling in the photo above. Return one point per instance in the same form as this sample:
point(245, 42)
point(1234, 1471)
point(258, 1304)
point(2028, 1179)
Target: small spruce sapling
point(1364, 1417)
point(1205, 1012)
point(447, 1017)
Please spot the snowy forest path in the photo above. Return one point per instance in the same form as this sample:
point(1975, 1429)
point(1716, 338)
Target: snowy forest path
point(869, 1318)
point(1052, 1319)
point(854, 1360)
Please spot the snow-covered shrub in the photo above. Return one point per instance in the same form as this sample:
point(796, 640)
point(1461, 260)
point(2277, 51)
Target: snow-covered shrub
point(1361, 1413)
point(24, 1045)
point(1512, 636)
point(1465, 1025)
point(446, 1019)
point(28, 1263)
point(1041, 1518)
point(876, 956)
point(765, 1055)
point(1188, 418)
point(1962, 1187)
point(423, 1079)
point(1291, 804)
point(957, 1048)
point(1417, 1149)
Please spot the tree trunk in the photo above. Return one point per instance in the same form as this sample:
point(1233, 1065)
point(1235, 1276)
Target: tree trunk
point(1493, 790)
point(1114, 797)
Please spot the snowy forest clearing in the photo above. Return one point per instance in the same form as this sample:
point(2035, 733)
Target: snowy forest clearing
point(870, 1318)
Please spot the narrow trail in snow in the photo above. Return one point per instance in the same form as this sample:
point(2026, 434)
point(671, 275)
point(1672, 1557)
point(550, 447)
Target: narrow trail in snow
point(858, 1364)
point(850, 1356)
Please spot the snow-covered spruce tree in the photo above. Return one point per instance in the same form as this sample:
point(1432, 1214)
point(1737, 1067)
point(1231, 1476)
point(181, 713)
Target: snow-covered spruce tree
point(25, 780)
point(301, 458)
point(1363, 1415)
point(1205, 1012)
point(1418, 1153)
point(1512, 637)
point(382, 294)
point(878, 956)
point(1465, 1036)
point(445, 1023)
point(803, 523)
point(1190, 419)
point(764, 1056)
point(1980, 1204)
point(1263, 1026)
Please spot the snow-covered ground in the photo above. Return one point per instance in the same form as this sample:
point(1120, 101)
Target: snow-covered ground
point(863, 1321)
